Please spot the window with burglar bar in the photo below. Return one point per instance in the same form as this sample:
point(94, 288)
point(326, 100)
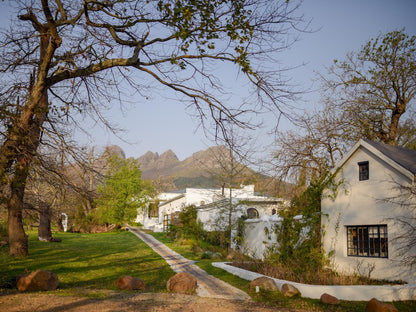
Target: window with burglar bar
point(363, 171)
point(367, 241)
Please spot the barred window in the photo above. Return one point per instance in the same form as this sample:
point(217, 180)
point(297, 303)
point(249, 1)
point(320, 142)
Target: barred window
point(363, 170)
point(367, 241)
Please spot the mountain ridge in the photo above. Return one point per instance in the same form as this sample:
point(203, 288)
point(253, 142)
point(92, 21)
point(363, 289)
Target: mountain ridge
point(203, 169)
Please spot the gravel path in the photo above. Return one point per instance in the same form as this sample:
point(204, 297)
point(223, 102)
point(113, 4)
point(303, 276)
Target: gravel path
point(208, 285)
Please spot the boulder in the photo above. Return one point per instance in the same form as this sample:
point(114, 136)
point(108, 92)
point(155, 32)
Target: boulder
point(183, 283)
point(130, 283)
point(37, 281)
point(375, 305)
point(263, 282)
point(289, 290)
point(328, 299)
point(232, 255)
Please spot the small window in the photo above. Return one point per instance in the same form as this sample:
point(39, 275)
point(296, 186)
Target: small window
point(252, 213)
point(363, 170)
point(153, 211)
point(274, 212)
point(367, 241)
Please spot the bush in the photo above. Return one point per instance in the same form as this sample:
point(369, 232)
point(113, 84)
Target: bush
point(189, 228)
point(299, 240)
point(188, 225)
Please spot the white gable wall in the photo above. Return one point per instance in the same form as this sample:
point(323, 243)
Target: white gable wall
point(364, 203)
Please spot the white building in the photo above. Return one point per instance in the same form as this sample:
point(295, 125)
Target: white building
point(363, 220)
point(211, 203)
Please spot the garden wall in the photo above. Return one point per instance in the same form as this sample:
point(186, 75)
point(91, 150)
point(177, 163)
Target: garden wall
point(350, 293)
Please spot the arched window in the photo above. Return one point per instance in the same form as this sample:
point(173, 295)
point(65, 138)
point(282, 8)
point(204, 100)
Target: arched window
point(274, 211)
point(252, 213)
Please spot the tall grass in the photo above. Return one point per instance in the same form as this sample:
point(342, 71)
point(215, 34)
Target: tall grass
point(92, 261)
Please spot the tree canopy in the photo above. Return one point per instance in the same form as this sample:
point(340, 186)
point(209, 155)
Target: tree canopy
point(123, 192)
point(375, 88)
point(61, 60)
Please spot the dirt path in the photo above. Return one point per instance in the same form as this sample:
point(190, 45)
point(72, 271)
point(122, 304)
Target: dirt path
point(208, 285)
point(146, 302)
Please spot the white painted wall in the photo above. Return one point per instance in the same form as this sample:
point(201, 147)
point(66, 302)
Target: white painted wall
point(363, 203)
point(259, 236)
point(350, 293)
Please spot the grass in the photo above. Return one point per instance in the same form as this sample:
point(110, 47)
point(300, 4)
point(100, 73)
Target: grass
point(268, 297)
point(89, 261)
point(89, 264)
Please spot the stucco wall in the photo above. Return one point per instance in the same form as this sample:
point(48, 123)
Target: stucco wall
point(259, 236)
point(364, 203)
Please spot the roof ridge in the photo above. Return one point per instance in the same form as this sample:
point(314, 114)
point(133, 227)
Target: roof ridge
point(403, 156)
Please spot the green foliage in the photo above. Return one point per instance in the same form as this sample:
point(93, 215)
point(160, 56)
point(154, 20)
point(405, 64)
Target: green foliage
point(198, 25)
point(299, 234)
point(84, 222)
point(123, 191)
point(190, 228)
point(239, 237)
point(378, 90)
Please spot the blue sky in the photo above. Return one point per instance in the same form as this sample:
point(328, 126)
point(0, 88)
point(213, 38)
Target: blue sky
point(160, 124)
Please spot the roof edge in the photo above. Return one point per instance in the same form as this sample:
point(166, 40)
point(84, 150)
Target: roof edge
point(376, 152)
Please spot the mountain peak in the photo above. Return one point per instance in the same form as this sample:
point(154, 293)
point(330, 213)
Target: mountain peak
point(114, 150)
point(169, 154)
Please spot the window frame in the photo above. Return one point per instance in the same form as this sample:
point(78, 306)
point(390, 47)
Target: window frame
point(255, 212)
point(369, 241)
point(363, 175)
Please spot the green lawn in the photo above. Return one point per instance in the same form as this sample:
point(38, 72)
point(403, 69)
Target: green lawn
point(91, 261)
point(94, 262)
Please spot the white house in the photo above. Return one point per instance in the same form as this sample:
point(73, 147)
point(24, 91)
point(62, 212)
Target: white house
point(214, 216)
point(210, 204)
point(363, 219)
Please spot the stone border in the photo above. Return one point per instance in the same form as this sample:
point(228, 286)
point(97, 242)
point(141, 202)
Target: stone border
point(349, 293)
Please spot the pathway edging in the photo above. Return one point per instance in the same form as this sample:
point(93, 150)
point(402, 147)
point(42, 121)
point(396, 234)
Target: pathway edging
point(208, 285)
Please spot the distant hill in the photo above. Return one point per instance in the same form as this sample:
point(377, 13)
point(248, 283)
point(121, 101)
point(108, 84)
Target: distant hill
point(204, 169)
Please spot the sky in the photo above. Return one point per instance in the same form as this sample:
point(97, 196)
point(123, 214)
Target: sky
point(159, 124)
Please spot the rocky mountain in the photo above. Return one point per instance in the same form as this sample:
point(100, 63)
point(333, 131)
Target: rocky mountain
point(203, 169)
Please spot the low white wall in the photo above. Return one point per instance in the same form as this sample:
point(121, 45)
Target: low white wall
point(350, 293)
point(258, 240)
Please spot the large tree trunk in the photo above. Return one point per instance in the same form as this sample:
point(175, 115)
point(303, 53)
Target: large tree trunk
point(22, 141)
point(17, 155)
point(17, 237)
point(44, 230)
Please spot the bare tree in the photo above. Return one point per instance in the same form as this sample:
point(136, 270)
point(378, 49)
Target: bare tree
point(60, 60)
point(227, 165)
point(310, 150)
point(369, 95)
point(405, 242)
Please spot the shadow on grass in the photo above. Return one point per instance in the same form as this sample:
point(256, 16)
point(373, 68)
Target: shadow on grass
point(90, 260)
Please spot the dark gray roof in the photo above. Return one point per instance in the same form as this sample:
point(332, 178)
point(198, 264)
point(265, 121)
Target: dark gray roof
point(403, 156)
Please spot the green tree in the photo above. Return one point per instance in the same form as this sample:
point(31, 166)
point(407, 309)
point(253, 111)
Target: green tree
point(375, 89)
point(123, 191)
point(61, 60)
